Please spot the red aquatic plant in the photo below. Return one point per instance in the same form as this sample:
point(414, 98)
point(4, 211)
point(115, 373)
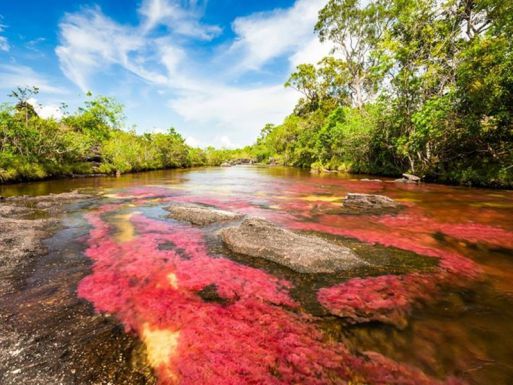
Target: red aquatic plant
point(247, 331)
point(387, 298)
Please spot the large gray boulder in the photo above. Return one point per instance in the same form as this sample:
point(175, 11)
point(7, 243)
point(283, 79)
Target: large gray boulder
point(369, 202)
point(200, 215)
point(305, 254)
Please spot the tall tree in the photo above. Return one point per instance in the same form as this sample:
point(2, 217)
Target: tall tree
point(355, 31)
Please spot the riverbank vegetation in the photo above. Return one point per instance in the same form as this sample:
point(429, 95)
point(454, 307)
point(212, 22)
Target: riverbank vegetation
point(90, 140)
point(418, 86)
point(423, 86)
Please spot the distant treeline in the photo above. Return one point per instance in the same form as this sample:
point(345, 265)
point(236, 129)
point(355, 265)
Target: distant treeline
point(88, 141)
point(424, 86)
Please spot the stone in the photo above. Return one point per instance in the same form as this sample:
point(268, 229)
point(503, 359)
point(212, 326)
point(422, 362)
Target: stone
point(260, 238)
point(368, 202)
point(201, 215)
point(411, 177)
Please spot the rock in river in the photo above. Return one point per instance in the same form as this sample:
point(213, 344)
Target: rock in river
point(305, 254)
point(201, 215)
point(408, 178)
point(369, 202)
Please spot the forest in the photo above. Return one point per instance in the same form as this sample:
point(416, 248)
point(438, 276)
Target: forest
point(418, 86)
point(90, 140)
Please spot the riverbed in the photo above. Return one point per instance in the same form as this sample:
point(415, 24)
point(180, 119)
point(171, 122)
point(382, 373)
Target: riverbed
point(123, 294)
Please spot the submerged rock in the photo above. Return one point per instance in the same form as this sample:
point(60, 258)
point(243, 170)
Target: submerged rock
point(201, 215)
point(20, 242)
point(369, 202)
point(42, 321)
point(210, 293)
point(48, 201)
point(305, 254)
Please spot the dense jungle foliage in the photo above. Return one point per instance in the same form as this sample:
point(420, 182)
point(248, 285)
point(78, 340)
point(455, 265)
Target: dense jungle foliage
point(89, 141)
point(423, 86)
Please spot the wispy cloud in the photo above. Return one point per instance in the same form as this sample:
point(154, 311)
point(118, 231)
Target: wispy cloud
point(90, 41)
point(265, 36)
point(181, 17)
point(4, 43)
point(204, 94)
point(16, 75)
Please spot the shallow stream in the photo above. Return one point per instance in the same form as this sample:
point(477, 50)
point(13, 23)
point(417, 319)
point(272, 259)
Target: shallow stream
point(435, 304)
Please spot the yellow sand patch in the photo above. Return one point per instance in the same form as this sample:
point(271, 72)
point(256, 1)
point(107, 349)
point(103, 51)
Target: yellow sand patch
point(321, 198)
point(161, 345)
point(496, 195)
point(498, 205)
point(124, 228)
point(124, 196)
point(118, 196)
point(173, 280)
point(413, 200)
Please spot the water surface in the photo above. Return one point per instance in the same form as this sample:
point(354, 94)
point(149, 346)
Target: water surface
point(434, 305)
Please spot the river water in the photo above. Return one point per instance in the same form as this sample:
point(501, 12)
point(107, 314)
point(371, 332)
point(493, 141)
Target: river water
point(435, 304)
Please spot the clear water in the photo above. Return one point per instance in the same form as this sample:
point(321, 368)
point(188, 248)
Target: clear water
point(465, 331)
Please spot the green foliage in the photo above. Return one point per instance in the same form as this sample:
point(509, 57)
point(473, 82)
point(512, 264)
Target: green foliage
point(91, 140)
point(423, 86)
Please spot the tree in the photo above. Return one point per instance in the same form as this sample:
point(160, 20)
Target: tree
point(23, 95)
point(355, 32)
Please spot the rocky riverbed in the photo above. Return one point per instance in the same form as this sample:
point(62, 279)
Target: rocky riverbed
point(47, 334)
point(212, 277)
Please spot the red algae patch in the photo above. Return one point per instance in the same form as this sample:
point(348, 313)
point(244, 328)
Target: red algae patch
point(387, 298)
point(391, 298)
point(255, 333)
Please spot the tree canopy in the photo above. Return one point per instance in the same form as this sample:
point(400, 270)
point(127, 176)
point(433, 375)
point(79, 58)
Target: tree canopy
point(423, 86)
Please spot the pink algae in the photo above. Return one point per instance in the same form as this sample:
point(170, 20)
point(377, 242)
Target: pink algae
point(387, 298)
point(151, 283)
point(391, 298)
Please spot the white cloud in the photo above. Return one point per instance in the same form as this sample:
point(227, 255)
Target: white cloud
point(46, 111)
point(264, 36)
point(239, 112)
point(4, 43)
point(183, 18)
point(204, 94)
point(226, 142)
point(311, 52)
point(192, 141)
point(90, 41)
point(16, 75)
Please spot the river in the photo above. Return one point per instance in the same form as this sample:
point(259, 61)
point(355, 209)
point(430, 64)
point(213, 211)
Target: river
point(435, 304)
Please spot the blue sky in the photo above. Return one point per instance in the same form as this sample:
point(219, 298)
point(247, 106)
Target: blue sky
point(213, 69)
